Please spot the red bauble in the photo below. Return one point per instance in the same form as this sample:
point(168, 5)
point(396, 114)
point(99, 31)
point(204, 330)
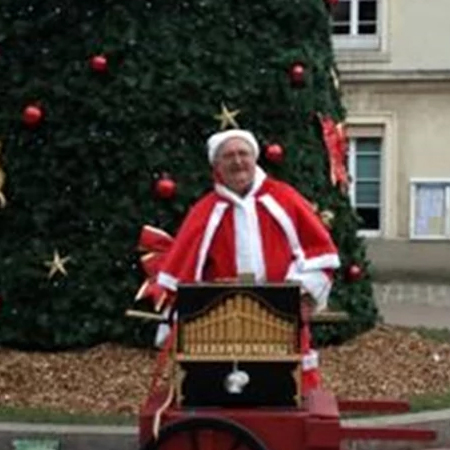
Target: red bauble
point(99, 63)
point(274, 153)
point(333, 2)
point(32, 115)
point(297, 74)
point(354, 272)
point(166, 187)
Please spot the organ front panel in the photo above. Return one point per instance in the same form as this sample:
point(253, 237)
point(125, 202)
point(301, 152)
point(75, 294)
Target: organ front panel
point(238, 327)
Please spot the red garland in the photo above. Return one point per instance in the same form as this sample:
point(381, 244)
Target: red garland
point(335, 139)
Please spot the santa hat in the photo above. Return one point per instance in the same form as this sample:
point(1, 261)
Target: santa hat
point(216, 140)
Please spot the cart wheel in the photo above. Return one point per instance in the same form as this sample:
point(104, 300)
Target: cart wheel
point(205, 433)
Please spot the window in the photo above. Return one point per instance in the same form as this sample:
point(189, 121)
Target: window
point(364, 161)
point(356, 23)
point(355, 17)
point(429, 209)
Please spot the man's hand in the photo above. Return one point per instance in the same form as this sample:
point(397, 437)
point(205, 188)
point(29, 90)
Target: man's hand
point(307, 307)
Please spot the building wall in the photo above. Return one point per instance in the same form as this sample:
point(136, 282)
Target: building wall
point(414, 36)
point(417, 138)
point(396, 259)
point(403, 86)
point(419, 34)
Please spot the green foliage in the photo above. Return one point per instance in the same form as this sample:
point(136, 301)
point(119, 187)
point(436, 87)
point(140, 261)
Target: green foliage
point(82, 181)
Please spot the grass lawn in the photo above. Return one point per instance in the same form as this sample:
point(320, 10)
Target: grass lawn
point(8, 414)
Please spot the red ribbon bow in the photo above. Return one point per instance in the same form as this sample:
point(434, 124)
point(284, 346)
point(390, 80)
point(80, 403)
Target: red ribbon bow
point(155, 243)
point(335, 138)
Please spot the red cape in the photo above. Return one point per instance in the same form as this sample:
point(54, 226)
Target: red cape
point(294, 242)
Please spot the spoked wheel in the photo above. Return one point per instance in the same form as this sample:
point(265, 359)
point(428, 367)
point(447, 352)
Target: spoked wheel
point(205, 433)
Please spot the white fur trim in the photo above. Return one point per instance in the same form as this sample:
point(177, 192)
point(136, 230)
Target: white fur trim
point(310, 361)
point(316, 283)
point(330, 260)
point(211, 227)
point(286, 224)
point(243, 251)
point(222, 190)
point(248, 242)
point(168, 281)
point(218, 139)
point(305, 271)
point(255, 241)
point(158, 231)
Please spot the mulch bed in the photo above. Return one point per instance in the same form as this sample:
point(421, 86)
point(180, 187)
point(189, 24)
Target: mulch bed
point(386, 362)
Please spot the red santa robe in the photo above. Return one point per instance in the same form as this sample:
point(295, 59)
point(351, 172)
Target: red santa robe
point(272, 232)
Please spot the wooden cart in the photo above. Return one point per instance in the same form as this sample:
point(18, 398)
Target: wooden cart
point(235, 379)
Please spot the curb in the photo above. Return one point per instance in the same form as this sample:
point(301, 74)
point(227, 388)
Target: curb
point(72, 437)
point(438, 421)
point(106, 437)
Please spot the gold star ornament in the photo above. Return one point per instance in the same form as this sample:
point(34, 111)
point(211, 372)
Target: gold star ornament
point(327, 217)
point(57, 265)
point(227, 118)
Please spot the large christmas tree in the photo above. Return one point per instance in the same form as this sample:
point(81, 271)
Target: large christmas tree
point(104, 99)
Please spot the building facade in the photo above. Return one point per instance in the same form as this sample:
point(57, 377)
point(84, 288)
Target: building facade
point(394, 67)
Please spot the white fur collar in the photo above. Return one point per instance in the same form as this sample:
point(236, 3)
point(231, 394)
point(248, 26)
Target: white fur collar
point(222, 190)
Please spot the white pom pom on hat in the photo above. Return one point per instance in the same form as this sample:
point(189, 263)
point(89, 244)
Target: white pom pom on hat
point(217, 139)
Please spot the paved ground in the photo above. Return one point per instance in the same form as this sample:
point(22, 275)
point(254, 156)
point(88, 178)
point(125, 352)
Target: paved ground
point(414, 304)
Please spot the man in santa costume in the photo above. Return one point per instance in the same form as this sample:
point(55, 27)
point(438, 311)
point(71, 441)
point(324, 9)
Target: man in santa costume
point(250, 224)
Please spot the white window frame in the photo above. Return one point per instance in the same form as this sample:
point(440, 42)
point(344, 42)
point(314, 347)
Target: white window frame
point(355, 41)
point(381, 124)
point(413, 184)
point(352, 187)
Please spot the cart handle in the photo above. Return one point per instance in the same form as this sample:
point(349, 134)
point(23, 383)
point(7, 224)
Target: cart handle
point(329, 317)
point(145, 315)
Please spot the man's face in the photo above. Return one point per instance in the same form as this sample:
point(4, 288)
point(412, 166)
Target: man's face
point(236, 163)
